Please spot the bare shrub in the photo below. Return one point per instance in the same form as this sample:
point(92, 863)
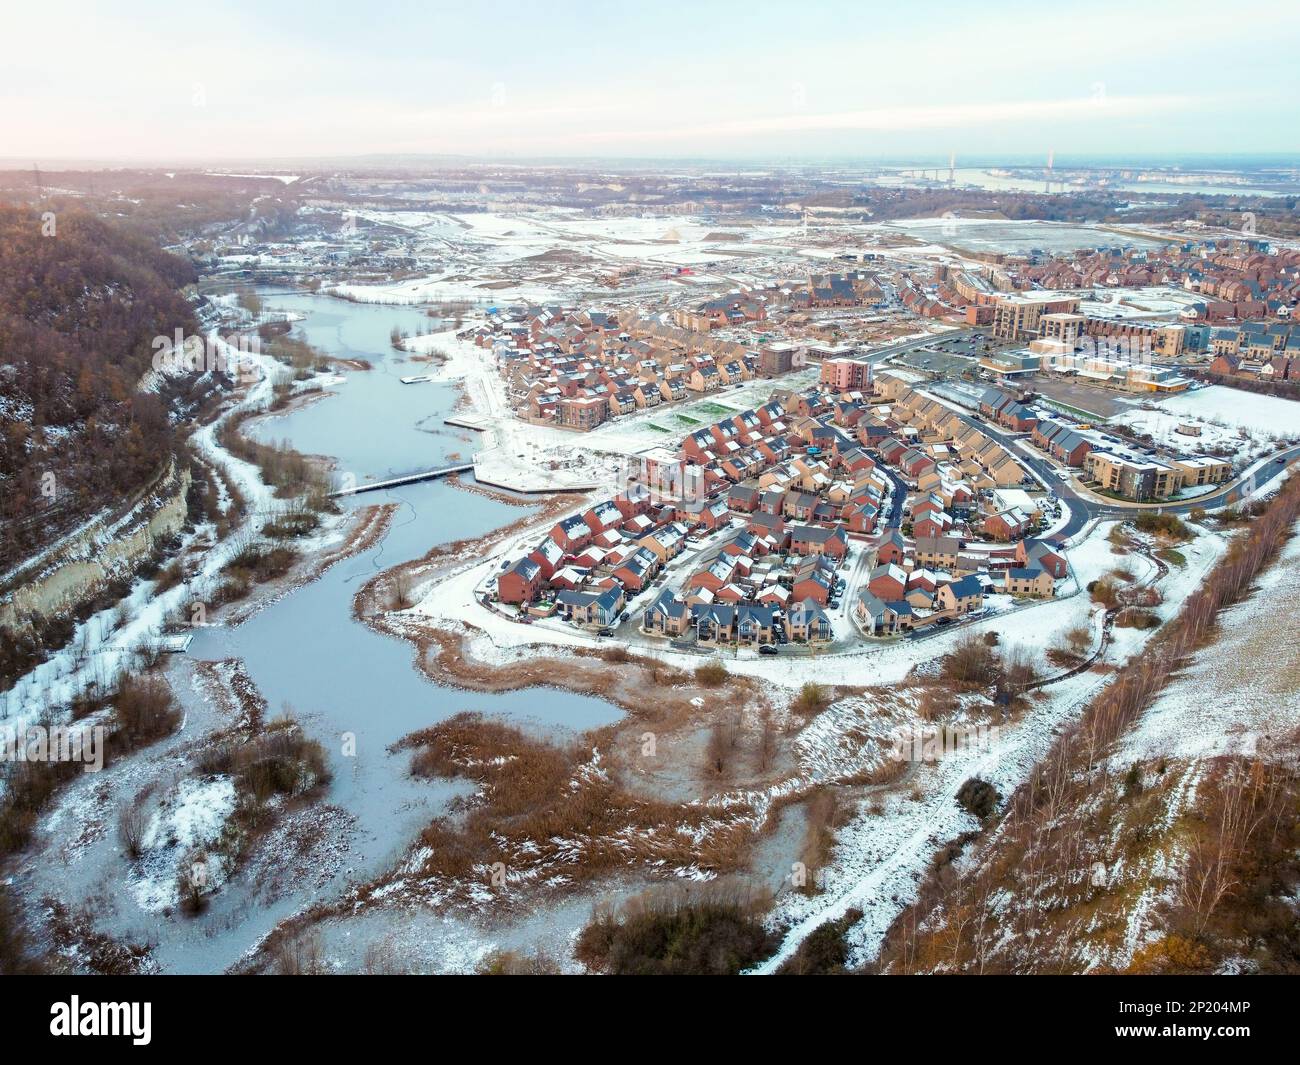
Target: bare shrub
point(399, 584)
point(978, 797)
point(972, 663)
point(512, 963)
point(298, 954)
point(383, 958)
point(1168, 525)
point(813, 698)
point(936, 702)
point(190, 884)
point(721, 746)
point(16, 956)
point(1132, 617)
point(711, 674)
point(1018, 669)
point(144, 710)
point(712, 933)
point(819, 835)
point(766, 740)
point(1104, 591)
point(825, 952)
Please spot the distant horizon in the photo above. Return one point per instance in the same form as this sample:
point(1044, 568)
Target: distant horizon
point(1061, 160)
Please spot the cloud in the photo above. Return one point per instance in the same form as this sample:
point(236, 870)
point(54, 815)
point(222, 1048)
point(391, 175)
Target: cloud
point(1096, 108)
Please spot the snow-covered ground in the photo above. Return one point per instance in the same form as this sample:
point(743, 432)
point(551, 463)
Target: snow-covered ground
point(101, 648)
point(884, 851)
point(1233, 699)
point(1239, 409)
point(1243, 441)
point(188, 821)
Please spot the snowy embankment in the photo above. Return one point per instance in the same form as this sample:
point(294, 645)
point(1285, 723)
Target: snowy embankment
point(101, 649)
point(882, 856)
point(1238, 698)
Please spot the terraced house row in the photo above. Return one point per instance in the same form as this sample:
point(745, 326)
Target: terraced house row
point(749, 592)
point(578, 369)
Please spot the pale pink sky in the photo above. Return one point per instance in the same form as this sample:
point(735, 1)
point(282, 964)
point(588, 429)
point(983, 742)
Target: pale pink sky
point(233, 79)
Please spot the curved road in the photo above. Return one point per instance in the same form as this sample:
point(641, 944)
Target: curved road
point(1085, 507)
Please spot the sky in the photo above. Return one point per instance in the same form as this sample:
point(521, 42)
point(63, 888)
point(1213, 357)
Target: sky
point(259, 79)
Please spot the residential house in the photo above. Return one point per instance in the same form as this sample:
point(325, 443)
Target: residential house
point(1032, 581)
point(520, 582)
point(571, 533)
point(888, 581)
point(667, 615)
point(807, 621)
point(598, 608)
point(818, 540)
point(961, 596)
point(1030, 553)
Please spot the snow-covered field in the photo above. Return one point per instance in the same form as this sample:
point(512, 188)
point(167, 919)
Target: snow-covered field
point(1243, 441)
point(1234, 407)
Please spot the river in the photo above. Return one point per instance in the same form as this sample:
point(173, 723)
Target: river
point(306, 653)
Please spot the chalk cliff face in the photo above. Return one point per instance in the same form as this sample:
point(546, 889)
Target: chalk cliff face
point(107, 548)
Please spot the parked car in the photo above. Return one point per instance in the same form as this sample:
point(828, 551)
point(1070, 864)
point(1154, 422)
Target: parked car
point(768, 649)
point(604, 632)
